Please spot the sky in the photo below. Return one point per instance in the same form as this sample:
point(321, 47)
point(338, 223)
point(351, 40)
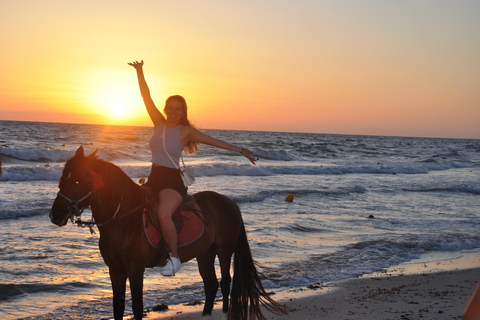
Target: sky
point(372, 67)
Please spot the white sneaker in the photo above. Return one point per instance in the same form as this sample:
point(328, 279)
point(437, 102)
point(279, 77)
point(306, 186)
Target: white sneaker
point(173, 265)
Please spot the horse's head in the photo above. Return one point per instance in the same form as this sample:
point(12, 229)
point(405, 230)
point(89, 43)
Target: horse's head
point(78, 185)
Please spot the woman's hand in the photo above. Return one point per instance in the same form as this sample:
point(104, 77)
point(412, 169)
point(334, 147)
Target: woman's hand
point(249, 154)
point(137, 65)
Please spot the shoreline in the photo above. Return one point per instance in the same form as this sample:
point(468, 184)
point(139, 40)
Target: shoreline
point(426, 290)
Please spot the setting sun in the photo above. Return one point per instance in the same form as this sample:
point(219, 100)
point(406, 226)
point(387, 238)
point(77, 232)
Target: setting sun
point(118, 106)
point(115, 104)
point(113, 96)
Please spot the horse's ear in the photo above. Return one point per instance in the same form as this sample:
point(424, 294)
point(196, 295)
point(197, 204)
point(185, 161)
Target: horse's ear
point(80, 152)
point(93, 156)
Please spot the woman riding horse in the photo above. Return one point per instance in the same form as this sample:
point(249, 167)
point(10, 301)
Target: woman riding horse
point(165, 178)
point(117, 205)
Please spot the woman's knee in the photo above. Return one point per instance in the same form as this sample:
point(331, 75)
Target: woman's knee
point(164, 215)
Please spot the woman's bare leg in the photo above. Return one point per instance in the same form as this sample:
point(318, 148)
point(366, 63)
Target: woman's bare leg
point(169, 201)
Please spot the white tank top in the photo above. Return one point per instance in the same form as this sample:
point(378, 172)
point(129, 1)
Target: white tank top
point(174, 147)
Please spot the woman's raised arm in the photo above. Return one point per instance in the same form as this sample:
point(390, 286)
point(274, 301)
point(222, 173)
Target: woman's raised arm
point(156, 116)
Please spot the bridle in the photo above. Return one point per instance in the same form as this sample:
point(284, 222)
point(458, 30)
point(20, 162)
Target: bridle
point(73, 209)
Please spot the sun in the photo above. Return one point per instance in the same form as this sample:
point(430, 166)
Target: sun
point(113, 97)
point(116, 106)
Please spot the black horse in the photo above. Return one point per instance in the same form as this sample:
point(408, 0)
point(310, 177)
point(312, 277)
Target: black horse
point(117, 205)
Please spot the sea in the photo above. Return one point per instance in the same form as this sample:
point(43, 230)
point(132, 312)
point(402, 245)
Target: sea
point(361, 204)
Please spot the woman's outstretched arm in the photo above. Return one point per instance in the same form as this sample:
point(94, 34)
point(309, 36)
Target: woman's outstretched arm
point(192, 134)
point(156, 116)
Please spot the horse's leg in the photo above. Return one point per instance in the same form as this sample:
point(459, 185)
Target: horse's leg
point(136, 289)
point(206, 267)
point(119, 282)
point(225, 261)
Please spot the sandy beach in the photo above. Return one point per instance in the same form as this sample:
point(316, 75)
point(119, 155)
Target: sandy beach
point(436, 290)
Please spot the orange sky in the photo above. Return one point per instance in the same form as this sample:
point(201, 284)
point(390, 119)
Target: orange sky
point(353, 67)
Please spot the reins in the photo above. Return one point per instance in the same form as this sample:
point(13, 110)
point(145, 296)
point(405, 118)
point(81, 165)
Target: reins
point(92, 223)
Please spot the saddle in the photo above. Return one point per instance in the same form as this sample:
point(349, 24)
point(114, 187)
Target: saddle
point(188, 219)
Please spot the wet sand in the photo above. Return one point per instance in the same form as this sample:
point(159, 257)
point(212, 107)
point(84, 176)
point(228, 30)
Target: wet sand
point(436, 290)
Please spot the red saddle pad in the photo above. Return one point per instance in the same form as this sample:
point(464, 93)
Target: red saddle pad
point(193, 228)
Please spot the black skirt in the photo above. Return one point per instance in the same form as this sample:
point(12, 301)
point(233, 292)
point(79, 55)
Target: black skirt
point(166, 178)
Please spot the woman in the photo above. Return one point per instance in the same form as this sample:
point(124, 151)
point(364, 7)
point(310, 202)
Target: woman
point(164, 177)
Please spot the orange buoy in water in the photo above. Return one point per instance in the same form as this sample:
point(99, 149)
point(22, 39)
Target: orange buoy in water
point(289, 198)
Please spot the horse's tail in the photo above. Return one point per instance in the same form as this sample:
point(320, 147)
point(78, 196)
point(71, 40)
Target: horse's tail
point(247, 288)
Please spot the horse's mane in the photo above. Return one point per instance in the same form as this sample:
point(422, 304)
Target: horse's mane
point(120, 189)
point(112, 173)
point(117, 182)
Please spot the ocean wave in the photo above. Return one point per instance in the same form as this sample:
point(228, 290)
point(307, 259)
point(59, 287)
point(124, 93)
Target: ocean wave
point(228, 169)
point(304, 229)
point(353, 167)
point(418, 244)
point(399, 167)
point(35, 154)
point(464, 188)
point(304, 168)
point(53, 172)
point(281, 155)
point(8, 291)
point(21, 213)
point(13, 155)
point(32, 173)
point(372, 255)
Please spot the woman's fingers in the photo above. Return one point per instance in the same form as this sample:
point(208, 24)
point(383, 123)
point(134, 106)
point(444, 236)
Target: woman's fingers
point(136, 64)
point(249, 154)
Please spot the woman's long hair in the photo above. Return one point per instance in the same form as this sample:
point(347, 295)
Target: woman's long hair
point(191, 147)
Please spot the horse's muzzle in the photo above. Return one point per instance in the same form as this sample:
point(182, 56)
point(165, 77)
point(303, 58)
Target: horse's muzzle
point(59, 215)
point(60, 219)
